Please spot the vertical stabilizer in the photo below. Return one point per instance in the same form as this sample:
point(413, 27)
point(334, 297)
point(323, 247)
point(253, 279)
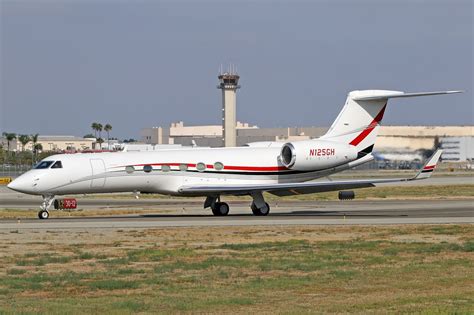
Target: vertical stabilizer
point(359, 121)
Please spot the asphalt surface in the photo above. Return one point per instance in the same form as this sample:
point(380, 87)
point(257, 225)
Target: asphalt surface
point(189, 213)
point(287, 213)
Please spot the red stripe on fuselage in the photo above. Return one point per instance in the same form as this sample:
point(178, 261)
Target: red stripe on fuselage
point(226, 167)
point(429, 167)
point(255, 168)
point(369, 128)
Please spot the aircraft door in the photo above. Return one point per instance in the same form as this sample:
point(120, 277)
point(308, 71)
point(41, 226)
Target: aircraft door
point(98, 173)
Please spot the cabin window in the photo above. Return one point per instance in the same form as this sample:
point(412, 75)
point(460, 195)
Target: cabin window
point(183, 167)
point(218, 166)
point(147, 168)
point(201, 167)
point(43, 165)
point(130, 169)
point(165, 168)
point(57, 164)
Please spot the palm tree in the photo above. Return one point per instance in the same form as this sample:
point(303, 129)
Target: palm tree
point(10, 137)
point(95, 127)
point(100, 141)
point(38, 147)
point(99, 129)
point(107, 129)
point(24, 139)
point(34, 139)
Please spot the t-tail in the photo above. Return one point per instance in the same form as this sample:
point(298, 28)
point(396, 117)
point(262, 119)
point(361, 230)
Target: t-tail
point(359, 121)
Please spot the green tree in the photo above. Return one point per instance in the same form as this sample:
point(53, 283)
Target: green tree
point(24, 139)
point(99, 129)
point(10, 137)
point(34, 139)
point(108, 128)
point(38, 147)
point(100, 141)
point(94, 127)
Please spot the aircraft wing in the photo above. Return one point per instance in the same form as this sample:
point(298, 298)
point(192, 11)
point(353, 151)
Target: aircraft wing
point(287, 189)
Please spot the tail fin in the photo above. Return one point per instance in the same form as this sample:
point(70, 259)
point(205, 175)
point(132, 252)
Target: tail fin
point(359, 121)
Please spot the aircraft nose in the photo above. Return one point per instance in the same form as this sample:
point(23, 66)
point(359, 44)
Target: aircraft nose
point(13, 185)
point(21, 184)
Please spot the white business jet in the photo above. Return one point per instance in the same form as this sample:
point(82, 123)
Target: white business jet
point(281, 169)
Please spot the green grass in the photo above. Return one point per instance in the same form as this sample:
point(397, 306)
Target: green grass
point(89, 256)
point(130, 305)
point(15, 271)
point(113, 284)
point(371, 271)
point(156, 254)
point(130, 271)
point(43, 259)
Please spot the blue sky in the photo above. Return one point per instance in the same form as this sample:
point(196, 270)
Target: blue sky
point(135, 64)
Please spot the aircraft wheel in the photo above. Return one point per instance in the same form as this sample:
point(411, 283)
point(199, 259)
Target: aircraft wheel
point(260, 211)
point(220, 209)
point(43, 214)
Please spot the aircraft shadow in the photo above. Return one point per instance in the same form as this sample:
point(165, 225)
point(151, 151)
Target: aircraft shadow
point(279, 214)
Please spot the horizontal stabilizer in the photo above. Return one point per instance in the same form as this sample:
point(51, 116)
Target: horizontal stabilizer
point(385, 95)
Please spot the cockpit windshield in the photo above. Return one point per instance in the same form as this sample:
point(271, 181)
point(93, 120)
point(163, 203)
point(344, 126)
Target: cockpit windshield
point(57, 164)
point(43, 164)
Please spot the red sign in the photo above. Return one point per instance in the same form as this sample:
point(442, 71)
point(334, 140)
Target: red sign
point(68, 203)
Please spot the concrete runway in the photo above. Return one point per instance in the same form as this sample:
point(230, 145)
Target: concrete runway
point(166, 212)
point(284, 213)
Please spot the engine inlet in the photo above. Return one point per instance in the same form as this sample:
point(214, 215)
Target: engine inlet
point(287, 155)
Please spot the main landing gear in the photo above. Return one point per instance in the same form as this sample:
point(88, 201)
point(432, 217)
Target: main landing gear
point(259, 206)
point(218, 208)
point(43, 214)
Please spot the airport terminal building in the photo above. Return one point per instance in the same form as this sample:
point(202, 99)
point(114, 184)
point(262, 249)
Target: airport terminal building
point(391, 139)
point(52, 143)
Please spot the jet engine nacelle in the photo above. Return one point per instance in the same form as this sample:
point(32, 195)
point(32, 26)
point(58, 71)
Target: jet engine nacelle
point(313, 155)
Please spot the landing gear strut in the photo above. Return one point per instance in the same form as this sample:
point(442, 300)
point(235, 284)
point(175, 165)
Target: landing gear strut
point(47, 202)
point(259, 206)
point(218, 208)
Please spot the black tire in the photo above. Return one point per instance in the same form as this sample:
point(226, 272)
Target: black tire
point(254, 208)
point(43, 215)
point(260, 211)
point(220, 209)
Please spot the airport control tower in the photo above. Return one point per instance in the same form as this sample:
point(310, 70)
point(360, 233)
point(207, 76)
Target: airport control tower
point(229, 83)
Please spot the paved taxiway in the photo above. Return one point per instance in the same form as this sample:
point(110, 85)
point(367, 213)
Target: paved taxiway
point(283, 213)
point(165, 212)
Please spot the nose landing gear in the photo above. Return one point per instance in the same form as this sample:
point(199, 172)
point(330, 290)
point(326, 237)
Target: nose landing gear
point(43, 214)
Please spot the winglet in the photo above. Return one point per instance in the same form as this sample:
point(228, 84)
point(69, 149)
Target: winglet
point(429, 167)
